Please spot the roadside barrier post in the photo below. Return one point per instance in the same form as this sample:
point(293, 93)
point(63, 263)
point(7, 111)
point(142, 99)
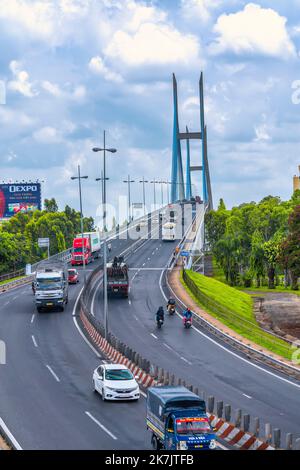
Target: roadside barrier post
point(246, 422)
point(219, 409)
point(289, 441)
point(256, 427)
point(297, 444)
point(238, 418)
point(268, 433)
point(210, 404)
point(277, 438)
point(227, 412)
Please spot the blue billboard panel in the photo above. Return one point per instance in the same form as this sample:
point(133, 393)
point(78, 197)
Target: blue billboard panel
point(19, 197)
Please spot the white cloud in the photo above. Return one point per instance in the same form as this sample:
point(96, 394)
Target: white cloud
point(9, 117)
point(199, 8)
point(52, 88)
point(47, 135)
point(153, 44)
point(261, 133)
point(253, 30)
point(21, 83)
point(97, 66)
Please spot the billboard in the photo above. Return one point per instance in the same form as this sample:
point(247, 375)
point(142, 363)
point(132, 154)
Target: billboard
point(19, 197)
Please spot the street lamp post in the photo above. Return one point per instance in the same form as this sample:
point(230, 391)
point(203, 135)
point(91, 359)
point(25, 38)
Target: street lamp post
point(154, 182)
point(79, 178)
point(144, 195)
point(103, 179)
point(129, 181)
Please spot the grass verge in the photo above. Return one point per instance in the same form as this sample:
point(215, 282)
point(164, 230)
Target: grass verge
point(234, 309)
point(10, 280)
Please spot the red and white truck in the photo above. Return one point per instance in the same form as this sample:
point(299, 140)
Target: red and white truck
point(87, 248)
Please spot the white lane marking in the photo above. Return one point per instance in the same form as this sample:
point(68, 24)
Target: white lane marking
point(53, 373)
point(143, 394)
point(34, 341)
point(136, 317)
point(15, 297)
point(152, 334)
point(148, 259)
point(93, 301)
point(167, 346)
point(101, 425)
point(227, 350)
point(247, 396)
point(144, 264)
point(185, 360)
point(153, 253)
point(79, 329)
point(32, 318)
point(6, 303)
point(129, 301)
point(9, 435)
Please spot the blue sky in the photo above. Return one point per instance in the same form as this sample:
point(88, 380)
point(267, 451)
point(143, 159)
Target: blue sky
point(74, 67)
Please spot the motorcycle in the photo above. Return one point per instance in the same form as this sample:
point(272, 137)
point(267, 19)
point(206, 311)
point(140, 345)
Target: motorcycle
point(171, 309)
point(187, 322)
point(159, 322)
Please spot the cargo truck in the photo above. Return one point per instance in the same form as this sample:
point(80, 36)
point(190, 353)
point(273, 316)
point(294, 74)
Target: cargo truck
point(178, 420)
point(51, 285)
point(117, 277)
point(87, 248)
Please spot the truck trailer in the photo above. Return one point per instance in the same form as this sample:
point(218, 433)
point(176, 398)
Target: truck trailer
point(178, 420)
point(117, 277)
point(51, 285)
point(86, 248)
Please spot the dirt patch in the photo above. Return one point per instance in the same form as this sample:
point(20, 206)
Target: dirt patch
point(279, 312)
point(3, 445)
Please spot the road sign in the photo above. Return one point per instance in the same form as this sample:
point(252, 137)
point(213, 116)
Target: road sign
point(43, 242)
point(186, 254)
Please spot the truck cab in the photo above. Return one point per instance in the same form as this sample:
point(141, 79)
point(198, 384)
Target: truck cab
point(81, 247)
point(117, 277)
point(178, 420)
point(51, 286)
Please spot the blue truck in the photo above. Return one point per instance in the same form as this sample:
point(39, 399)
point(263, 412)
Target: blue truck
point(178, 420)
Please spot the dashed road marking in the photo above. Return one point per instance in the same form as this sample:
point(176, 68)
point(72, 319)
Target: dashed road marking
point(185, 360)
point(32, 318)
point(101, 425)
point(53, 373)
point(247, 396)
point(152, 334)
point(34, 341)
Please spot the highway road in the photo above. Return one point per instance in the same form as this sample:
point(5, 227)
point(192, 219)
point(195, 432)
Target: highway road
point(46, 397)
point(192, 354)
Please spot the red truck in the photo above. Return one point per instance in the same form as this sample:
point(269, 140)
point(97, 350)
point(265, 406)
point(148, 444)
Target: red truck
point(117, 277)
point(90, 245)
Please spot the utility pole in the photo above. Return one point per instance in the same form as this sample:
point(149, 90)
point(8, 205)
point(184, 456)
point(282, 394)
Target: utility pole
point(79, 178)
point(104, 179)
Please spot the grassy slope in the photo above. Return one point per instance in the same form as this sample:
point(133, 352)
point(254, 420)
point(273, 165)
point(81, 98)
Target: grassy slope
point(241, 304)
point(10, 280)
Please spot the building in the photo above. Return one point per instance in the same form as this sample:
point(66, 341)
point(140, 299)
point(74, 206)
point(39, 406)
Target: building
point(296, 180)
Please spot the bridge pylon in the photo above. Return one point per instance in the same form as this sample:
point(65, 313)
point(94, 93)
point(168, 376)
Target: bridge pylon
point(179, 189)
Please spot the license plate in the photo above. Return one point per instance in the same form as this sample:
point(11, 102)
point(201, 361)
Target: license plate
point(197, 447)
point(49, 303)
point(116, 290)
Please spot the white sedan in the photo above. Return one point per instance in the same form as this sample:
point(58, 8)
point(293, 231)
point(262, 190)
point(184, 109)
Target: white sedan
point(115, 382)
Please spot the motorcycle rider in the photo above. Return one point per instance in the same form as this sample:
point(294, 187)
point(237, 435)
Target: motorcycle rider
point(187, 314)
point(171, 304)
point(160, 314)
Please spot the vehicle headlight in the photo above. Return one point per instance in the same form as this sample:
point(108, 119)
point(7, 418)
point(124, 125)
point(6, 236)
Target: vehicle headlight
point(183, 445)
point(212, 444)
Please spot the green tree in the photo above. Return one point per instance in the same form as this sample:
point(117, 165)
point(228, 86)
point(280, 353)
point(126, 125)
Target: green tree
point(289, 255)
point(50, 205)
point(257, 257)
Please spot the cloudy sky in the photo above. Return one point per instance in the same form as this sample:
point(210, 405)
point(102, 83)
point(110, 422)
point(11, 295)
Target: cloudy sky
point(72, 68)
